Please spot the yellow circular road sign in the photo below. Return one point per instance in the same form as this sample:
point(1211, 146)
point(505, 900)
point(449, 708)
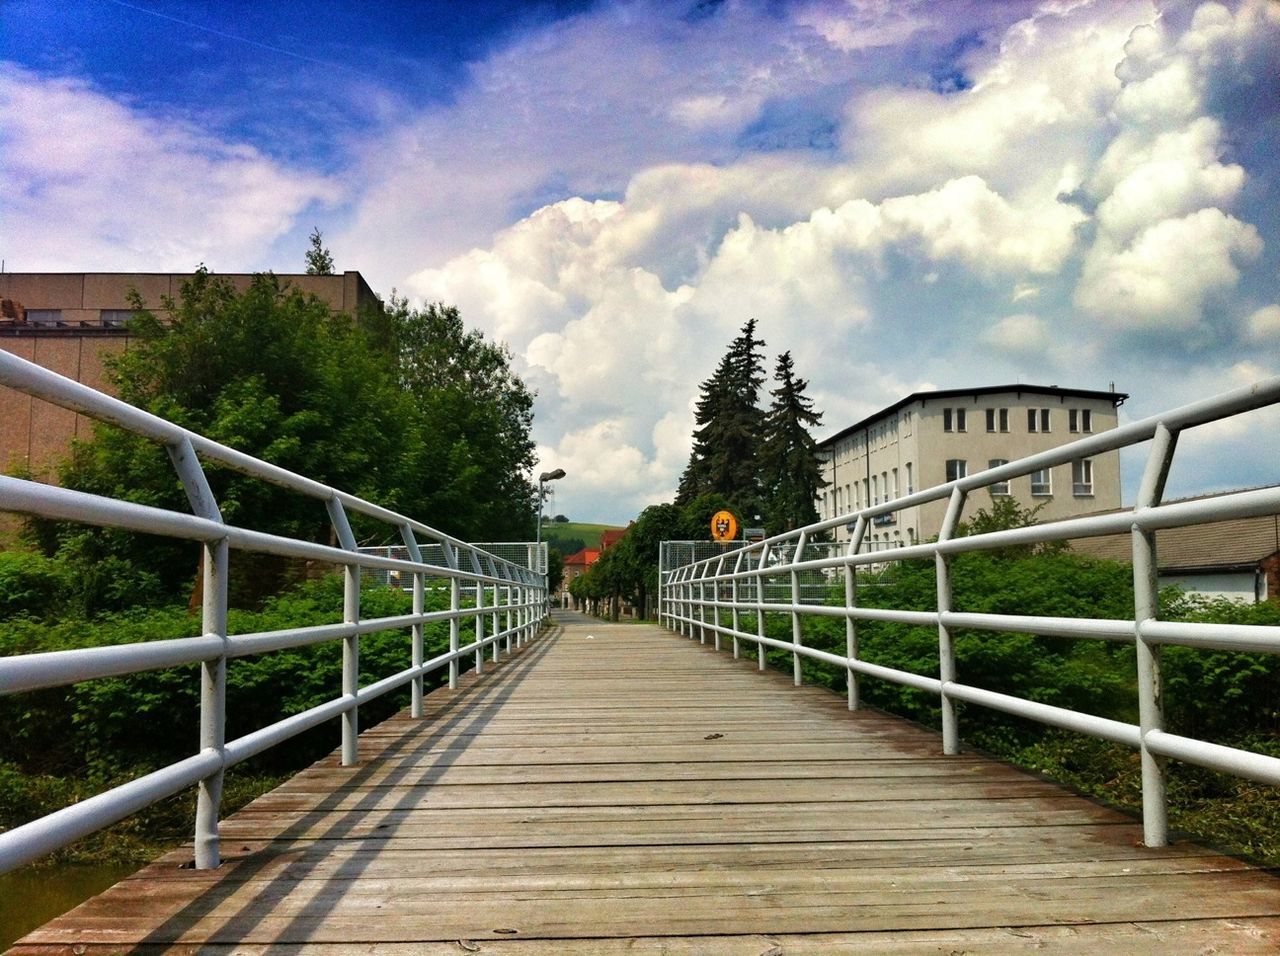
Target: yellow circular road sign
point(724, 526)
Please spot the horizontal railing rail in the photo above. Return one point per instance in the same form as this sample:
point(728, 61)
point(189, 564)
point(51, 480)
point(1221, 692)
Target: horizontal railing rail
point(694, 594)
point(505, 600)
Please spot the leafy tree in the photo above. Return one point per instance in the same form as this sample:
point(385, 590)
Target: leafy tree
point(789, 457)
point(429, 420)
point(319, 261)
point(477, 451)
point(730, 428)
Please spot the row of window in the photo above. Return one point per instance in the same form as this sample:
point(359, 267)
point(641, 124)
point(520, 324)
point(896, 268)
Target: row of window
point(877, 488)
point(110, 318)
point(1041, 479)
point(1038, 420)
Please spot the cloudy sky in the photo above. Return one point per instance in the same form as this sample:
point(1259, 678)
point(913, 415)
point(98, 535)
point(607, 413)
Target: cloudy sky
point(907, 195)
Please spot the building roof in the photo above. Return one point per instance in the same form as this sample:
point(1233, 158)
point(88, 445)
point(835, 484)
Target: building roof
point(1233, 543)
point(586, 557)
point(1116, 399)
point(612, 536)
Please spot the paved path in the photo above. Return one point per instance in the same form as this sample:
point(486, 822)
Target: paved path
point(615, 788)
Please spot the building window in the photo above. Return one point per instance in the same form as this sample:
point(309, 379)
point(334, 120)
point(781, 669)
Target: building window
point(116, 318)
point(910, 486)
point(1082, 477)
point(953, 420)
point(44, 316)
point(875, 489)
point(957, 468)
point(998, 487)
point(1042, 482)
point(997, 419)
point(1080, 420)
point(1037, 419)
point(895, 482)
point(884, 483)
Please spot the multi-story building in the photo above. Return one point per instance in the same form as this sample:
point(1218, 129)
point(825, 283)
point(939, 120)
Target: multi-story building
point(928, 438)
point(71, 322)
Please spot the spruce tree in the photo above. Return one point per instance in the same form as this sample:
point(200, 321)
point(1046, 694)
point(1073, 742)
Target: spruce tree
point(319, 261)
point(789, 463)
point(726, 443)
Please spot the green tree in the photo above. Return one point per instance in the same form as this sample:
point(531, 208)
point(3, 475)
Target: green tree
point(789, 456)
point(319, 261)
point(477, 451)
point(268, 371)
point(730, 428)
point(412, 411)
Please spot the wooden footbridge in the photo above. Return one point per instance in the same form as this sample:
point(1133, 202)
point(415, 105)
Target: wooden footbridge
point(618, 788)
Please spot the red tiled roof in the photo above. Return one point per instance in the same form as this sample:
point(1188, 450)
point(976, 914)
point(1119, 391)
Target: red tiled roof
point(586, 557)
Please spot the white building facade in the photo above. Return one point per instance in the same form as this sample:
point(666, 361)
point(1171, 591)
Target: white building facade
point(928, 438)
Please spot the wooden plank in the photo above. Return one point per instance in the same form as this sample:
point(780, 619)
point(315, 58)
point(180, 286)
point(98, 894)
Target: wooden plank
point(638, 792)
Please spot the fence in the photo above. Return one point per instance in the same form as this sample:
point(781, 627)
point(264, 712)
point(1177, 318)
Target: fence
point(509, 602)
point(524, 554)
point(694, 594)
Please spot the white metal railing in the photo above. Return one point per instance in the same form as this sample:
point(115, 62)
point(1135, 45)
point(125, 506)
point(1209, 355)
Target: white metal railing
point(509, 602)
point(694, 594)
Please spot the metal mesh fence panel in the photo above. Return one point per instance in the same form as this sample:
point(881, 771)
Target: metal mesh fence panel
point(526, 554)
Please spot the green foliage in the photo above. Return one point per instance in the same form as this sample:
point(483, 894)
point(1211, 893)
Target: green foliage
point(29, 583)
point(555, 570)
point(405, 408)
point(565, 546)
point(792, 471)
point(64, 744)
point(730, 428)
point(476, 414)
point(319, 261)
point(564, 535)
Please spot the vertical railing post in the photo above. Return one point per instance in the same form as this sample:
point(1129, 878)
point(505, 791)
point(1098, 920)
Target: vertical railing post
point(946, 646)
point(686, 608)
point(702, 602)
point(852, 683)
point(455, 607)
point(662, 587)
point(215, 565)
point(733, 596)
point(506, 608)
point(715, 609)
point(416, 632)
point(495, 626)
point(350, 643)
point(797, 629)
point(764, 560)
point(1146, 607)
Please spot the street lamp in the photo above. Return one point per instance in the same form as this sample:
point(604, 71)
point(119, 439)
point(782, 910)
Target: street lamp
point(537, 550)
point(542, 480)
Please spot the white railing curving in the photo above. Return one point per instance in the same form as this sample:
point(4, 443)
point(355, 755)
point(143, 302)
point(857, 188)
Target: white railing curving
point(508, 601)
point(744, 580)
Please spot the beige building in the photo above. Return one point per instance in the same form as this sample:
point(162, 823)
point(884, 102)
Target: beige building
point(929, 438)
point(71, 322)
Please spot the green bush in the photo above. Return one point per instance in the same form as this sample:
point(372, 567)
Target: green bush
point(29, 584)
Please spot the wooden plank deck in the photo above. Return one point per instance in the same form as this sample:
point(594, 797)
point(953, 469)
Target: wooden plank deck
point(615, 788)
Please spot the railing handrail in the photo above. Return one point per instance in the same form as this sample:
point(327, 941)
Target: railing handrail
point(684, 600)
point(509, 600)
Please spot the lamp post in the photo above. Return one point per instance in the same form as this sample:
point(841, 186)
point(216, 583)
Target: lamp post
point(537, 550)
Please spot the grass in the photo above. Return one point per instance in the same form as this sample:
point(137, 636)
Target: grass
point(566, 531)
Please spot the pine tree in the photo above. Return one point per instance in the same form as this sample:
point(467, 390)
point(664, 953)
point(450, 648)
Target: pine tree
point(789, 463)
point(319, 261)
point(726, 443)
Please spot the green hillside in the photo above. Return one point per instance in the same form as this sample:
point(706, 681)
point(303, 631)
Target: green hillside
point(569, 531)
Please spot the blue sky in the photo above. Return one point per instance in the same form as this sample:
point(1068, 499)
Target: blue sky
point(905, 194)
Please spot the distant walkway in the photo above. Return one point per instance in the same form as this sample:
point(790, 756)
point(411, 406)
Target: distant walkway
point(615, 788)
